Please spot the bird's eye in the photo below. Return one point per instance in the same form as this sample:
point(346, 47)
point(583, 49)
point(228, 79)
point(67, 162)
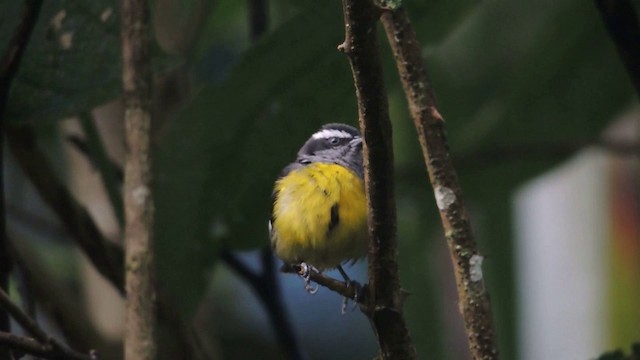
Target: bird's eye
point(334, 141)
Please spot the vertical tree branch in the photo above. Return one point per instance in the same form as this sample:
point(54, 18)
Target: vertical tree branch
point(140, 342)
point(384, 297)
point(9, 65)
point(473, 298)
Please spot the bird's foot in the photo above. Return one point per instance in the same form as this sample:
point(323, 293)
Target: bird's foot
point(356, 298)
point(305, 273)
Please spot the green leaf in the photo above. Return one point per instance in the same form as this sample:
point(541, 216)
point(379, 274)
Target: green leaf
point(72, 62)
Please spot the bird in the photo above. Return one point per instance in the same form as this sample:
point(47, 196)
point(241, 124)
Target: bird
point(319, 209)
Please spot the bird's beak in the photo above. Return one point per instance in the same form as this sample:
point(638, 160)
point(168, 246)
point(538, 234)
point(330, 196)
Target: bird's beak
point(356, 142)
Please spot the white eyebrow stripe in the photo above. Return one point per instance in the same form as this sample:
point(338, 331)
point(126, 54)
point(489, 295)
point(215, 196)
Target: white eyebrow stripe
point(329, 133)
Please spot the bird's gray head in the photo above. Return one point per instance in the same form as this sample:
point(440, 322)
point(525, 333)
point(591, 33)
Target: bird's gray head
point(335, 144)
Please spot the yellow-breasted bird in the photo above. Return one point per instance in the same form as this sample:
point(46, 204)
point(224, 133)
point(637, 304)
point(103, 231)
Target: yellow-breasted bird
point(319, 213)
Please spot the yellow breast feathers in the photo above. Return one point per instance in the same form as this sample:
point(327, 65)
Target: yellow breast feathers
point(320, 216)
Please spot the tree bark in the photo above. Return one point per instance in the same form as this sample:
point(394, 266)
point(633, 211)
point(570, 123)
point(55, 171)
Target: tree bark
point(467, 262)
point(384, 299)
point(140, 338)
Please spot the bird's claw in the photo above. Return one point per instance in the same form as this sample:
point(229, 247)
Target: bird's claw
point(356, 297)
point(305, 273)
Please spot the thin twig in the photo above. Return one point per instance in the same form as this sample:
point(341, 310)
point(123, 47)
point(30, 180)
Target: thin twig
point(52, 347)
point(140, 320)
point(330, 283)
point(43, 351)
point(21, 318)
point(59, 303)
point(22, 344)
point(385, 298)
point(9, 65)
point(472, 295)
point(621, 21)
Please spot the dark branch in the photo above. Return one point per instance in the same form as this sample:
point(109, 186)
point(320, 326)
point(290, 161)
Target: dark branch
point(83, 146)
point(241, 269)
point(21, 318)
point(621, 21)
point(330, 283)
point(36, 222)
point(272, 298)
point(30, 346)
point(472, 296)
point(106, 256)
point(109, 174)
point(58, 302)
point(265, 286)
point(47, 343)
point(384, 303)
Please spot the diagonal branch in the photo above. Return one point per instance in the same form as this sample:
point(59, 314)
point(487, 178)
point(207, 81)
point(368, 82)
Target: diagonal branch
point(105, 255)
point(265, 285)
point(472, 295)
point(43, 345)
point(32, 347)
point(59, 303)
point(330, 283)
point(21, 318)
point(384, 304)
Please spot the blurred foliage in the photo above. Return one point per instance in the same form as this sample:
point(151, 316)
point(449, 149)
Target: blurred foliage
point(505, 72)
point(71, 63)
point(620, 355)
